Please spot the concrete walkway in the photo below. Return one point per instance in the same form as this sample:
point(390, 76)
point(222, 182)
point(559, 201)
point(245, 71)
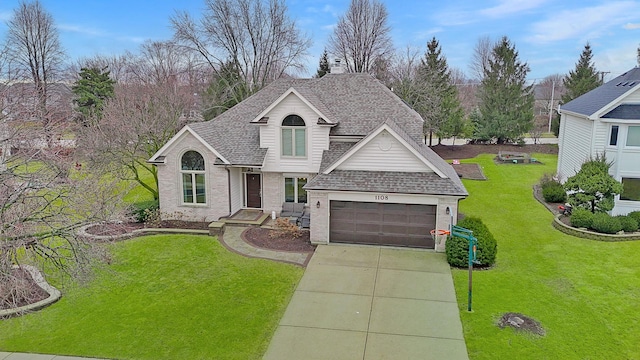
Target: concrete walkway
point(365, 302)
point(232, 239)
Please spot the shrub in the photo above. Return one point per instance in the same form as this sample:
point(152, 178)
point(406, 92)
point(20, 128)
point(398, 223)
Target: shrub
point(554, 193)
point(142, 211)
point(628, 223)
point(635, 215)
point(284, 228)
point(606, 224)
point(581, 218)
point(457, 249)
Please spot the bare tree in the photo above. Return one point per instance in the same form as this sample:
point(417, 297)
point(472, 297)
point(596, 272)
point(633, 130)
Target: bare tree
point(33, 44)
point(135, 125)
point(257, 36)
point(481, 55)
point(361, 36)
point(41, 208)
point(467, 89)
point(118, 66)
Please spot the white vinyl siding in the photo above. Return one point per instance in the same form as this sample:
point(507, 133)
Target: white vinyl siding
point(575, 144)
point(601, 136)
point(317, 138)
point(384, 153)
point(633, 97)
point(236, 189)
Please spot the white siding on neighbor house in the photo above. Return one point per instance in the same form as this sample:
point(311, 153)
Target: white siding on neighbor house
point(634, 97)
point(170, 186)
point(317, 138)
point(600, 137)
point(384, 153)
point(576, 137)
point(236, 189)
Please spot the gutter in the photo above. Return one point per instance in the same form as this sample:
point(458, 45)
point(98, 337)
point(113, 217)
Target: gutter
point(226, 167)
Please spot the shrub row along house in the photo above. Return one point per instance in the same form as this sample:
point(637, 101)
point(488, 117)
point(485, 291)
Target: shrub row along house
point(605, 121)
point(344, 145)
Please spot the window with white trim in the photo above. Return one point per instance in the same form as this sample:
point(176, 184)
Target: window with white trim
point(633, 136)
point(294, 136)
point(192, 173)
point(613, 137)
point(293, 191)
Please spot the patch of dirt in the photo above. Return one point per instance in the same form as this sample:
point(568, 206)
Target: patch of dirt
point(260, 238)
point(521, 322)
point(469, 171)
point(29, 292)
point(468, 151)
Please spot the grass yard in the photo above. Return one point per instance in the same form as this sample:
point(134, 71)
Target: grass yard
point(585, 293)
point(163, 297)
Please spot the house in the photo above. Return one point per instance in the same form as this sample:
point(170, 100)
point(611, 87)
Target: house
point(605, 121)
point(344, 145)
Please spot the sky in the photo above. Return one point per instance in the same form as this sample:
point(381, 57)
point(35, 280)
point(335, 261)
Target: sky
point(548, 34)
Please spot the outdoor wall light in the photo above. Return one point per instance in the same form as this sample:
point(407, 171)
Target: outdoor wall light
point(318, 204)
point(448, 210)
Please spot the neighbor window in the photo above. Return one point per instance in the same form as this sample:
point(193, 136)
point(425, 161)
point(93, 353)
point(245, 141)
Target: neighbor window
point(613, 139)
point(192, 173)
point(293, 191)
point(631, 190)
point(633, 136)
point(294, 136)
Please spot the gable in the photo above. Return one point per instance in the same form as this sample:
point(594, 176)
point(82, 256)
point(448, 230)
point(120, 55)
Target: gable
point(384, 153)
point(185, 139)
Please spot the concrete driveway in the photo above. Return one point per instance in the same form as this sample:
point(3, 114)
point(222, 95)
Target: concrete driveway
point(365, 302)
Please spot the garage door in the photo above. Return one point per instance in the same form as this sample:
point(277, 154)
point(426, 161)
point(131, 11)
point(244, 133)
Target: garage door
point(382, 223)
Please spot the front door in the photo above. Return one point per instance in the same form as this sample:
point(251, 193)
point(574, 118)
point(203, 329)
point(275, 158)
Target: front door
point(254, 193)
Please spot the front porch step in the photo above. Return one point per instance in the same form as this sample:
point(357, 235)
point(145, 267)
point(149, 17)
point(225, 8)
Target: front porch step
point(236, 222)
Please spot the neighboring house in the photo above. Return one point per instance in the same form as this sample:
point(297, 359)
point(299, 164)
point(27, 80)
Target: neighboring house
point(344, 145)
point(606, 121)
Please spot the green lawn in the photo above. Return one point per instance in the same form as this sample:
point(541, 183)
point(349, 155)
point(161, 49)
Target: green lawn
point(585, 293)
point(163, 297)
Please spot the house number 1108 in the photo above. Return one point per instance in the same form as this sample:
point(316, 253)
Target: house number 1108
point(382, 197)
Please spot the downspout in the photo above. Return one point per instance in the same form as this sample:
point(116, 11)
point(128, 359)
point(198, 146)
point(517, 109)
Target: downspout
point(226, 167)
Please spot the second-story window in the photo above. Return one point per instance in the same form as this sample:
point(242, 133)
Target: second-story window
point(294, 136)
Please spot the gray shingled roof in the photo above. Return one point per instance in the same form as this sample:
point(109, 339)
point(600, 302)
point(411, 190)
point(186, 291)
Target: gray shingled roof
point(386, 182)
point(357, 102)
point(335, 152)
point(624, 112)
point(589, 103)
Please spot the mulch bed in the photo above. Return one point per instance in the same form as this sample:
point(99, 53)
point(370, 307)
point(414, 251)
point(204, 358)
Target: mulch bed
point(260, 238)
point(468, 151)
point(469, 171)
point(29, 293)
point(520, 322)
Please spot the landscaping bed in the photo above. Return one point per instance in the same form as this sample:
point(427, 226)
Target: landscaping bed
point(261, 237)
point(30, 292)
point(467, 151)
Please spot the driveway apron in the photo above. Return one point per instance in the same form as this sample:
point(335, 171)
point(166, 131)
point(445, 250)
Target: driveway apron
point(371, 303)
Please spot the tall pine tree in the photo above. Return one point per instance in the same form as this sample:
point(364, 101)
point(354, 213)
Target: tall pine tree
point(441, 108)
point(91, 91)
point(506, 102)
point(583, 78)
point(323, 66)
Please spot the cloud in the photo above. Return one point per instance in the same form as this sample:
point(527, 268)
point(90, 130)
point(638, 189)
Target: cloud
point(617, 60)
point(5, 15)
point(588, 22)
point(327, 9)
point(509, 7)
point(426, 34)
point(81, 30)
point(631, 26)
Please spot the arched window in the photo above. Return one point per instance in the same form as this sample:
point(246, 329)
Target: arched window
point(294, 136)
point(192, 172)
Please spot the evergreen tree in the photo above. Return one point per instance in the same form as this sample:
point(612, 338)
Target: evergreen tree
point(91, 91)
point(583, 78)
point(227, 88)
point(506, 102)
point(441, 109)
point(323, 66)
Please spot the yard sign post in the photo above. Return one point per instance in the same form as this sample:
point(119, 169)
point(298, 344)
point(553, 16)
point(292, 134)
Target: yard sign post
point(467, 234)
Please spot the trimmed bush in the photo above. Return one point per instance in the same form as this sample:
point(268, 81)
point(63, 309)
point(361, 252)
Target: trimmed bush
point(581, 218)
point(554, 193)
point(141, 211)
point(605, 223)
point(628, 223)
point(635, 215)
point(458, 249)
